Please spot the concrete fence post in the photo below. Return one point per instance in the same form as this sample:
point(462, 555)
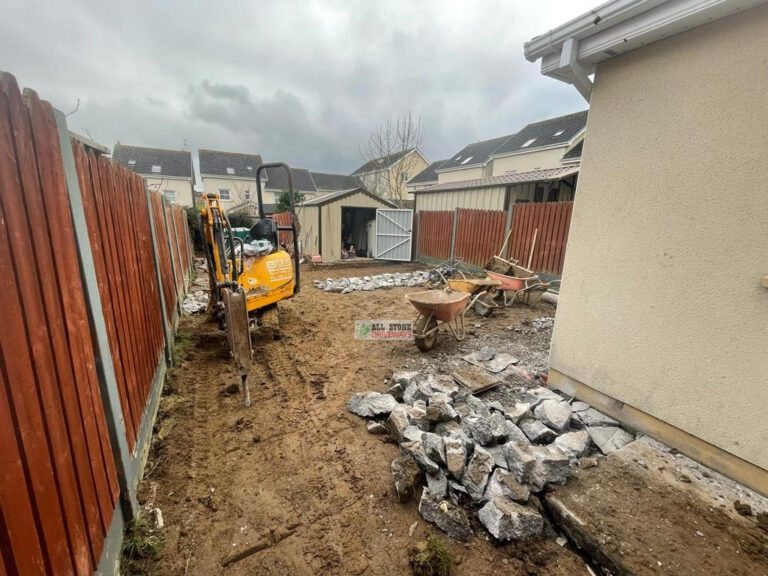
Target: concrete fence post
point(453, 231)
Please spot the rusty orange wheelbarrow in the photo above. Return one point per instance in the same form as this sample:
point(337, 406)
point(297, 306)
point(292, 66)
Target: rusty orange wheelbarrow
point(437, 308)
point(519, 286)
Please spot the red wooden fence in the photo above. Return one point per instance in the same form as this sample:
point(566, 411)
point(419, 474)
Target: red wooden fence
point(479, 234)
point(164, 253)
point(115, 204)
point(58, 486)
point(434, 234)
point(552, 219)
point(283, 219)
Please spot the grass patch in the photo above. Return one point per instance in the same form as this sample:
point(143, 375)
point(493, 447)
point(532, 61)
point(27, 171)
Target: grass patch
point(431, 558)
point(139, 544)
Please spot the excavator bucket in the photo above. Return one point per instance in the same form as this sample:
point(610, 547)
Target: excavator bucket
point(236, 317)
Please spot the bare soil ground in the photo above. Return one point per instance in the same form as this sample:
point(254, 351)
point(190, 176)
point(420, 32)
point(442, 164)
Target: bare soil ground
point(227, 478)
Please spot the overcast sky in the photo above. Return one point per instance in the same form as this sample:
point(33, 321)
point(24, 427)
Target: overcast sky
point(298, 81)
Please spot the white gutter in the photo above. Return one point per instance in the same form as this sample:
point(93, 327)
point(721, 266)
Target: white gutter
point(571, 52)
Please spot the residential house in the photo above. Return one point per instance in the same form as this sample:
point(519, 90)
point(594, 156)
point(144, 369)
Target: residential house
point(326, 183)
point(277, 183)
point(427, 177)
point(230, 174)
point(471, 162)
point(661, 321)
point(167, 171)
point(388, 176)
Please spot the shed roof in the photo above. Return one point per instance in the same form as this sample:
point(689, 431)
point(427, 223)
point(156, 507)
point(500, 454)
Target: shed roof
point(427, 175)
point(177, 163)
point(217, 163)
point(546, 133)
point(475, 154)
point(333, 196)
point(574, 153)
point(503, 180)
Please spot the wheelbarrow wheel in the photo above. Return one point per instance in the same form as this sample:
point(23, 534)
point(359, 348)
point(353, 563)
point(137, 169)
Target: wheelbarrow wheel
point(482, 308)
point(425, 343)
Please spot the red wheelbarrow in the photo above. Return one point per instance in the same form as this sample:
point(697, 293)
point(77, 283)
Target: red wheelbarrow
point(437, 308)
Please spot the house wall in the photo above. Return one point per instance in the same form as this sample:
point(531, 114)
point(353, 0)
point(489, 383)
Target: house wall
point(384, 181)
point(661, 306)
point(237, 190)
point(309, 228)
point(330, 217)
point(476, 198)
point(183, 188)
point(460, 175)
point(528, 161)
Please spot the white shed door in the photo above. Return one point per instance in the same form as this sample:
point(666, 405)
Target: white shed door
point(393, 234)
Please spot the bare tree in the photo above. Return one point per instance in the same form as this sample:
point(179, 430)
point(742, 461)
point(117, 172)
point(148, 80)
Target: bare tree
point(390, 165)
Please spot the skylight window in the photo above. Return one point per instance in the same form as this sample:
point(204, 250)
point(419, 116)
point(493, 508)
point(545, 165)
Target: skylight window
point(457, 158)
point(528, 143)
point(467, 159)
point(131, 162)
point(156, 169)
point(559, 132)
point(230, 170)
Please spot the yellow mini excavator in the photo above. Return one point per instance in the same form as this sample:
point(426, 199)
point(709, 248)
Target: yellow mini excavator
point(249, 276)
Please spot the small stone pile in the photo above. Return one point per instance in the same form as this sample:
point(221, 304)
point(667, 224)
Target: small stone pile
point(196, 302)
point(473, 454)
point(367, 283)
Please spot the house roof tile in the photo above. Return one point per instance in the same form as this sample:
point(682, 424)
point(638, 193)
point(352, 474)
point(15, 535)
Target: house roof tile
point(217, 163)
point(325, 181)
point(177, 163)
point(550, 132)
point(382, 163)
point(475, 154)
point(428, 174)
point(277, 179)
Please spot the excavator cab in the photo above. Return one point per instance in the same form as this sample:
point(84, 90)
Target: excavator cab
point(248, 277)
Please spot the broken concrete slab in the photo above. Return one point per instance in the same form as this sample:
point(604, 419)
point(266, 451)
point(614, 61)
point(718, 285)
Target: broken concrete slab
point(514, 433)
point(536, 396)
point(407, 476)
point(592, 417)
point(477, 473)
point(475, 378)
point(519, 411)
point(434, 447)
point(438, 485)
point(440, 412)
point(416, 450)
point(499, 459)
point(520, 459)
point(551, 467)
point(398, 421)
point(376, 427)
point(416, 391)
point(486, 430)
point(489, 360)
point(609, 438)
point(537, 432)
point(503, 483)
point(417, 415)
point(478, 406)
point(458, 494)
point(556, 414)
point(574, 444)
point(443, 384)
point(447, 516)
point(412, 434)
point(507, 520)
point(396, 391)
point(455, 456)
point(404, 377)
point(371, 404)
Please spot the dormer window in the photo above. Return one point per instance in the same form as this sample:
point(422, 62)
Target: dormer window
point(156, 169)
point(131, 162)
point(528, 143)
point(230, 170)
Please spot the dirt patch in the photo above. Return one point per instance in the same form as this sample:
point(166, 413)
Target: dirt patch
point(229, 479)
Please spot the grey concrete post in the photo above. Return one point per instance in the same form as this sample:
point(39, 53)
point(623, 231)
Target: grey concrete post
point(453, 231)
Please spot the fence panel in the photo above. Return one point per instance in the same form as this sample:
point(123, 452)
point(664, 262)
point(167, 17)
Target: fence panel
point(479, 234)
point(434, 234)
point(548, 223)
point(164, 253)
point(59, 486)
point(284, 236)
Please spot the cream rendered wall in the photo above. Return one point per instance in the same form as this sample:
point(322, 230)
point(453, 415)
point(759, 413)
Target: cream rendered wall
point(477, 198)
point(237, 188)
point(460, 175)
point(330, 216)
point(412, 164)
point(182, 187)
point(529, 161)
point(384, 181)
point(661, 305)
point(308, 234)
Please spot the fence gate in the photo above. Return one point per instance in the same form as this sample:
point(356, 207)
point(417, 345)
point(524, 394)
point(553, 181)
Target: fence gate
point(393, 234)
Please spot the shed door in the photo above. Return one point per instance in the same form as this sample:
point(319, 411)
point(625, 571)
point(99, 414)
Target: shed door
point(393, 234)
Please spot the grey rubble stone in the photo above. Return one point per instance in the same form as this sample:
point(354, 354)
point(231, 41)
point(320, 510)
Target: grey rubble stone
point(407, 476)
point(555, 414)
point(486, 430)
point(518, 412)
point(412, 434)
point(416, 450)
point(574, 444)
point(592, 417)
point(454, 430)
point(415, 391)
point(398, 421)
point(440, 412)
point(450, 518)
point(463, 410)
point(537, 432)
point(514, 433)
point(497, 452)
point(438, 485)
point(503, 483)
point(538, 395)
point(443, 384)
point(434, 447)
point(477, 472)
point(485, 353)
point(455, 456)
point(440, 398)
point(376, 427)
point(520, 460)
point(495, 405)
point(417, 416)
point(579, 406)
point(371, 404)
point(458, 494)
point(551, 467)
point(477, 405)
point(609, 438)
point(396, 391)
point(507, 520)
point(404, 377)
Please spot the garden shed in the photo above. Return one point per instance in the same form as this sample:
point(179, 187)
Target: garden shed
point(340, 223)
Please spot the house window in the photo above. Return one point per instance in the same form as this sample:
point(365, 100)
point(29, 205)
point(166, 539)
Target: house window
point(131, 162)
point(156, 169)
point(230, 170)
point(467, 159)
point(170, 195)
point(247, 194)
point(538, 195)
point(223, 193)
point(528, 143)
point(405, 176)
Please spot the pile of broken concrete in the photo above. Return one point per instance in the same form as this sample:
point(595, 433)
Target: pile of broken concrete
point(367, 283)
point(474, 454)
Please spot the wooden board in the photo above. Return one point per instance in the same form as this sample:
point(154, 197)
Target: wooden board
point(476, 379)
